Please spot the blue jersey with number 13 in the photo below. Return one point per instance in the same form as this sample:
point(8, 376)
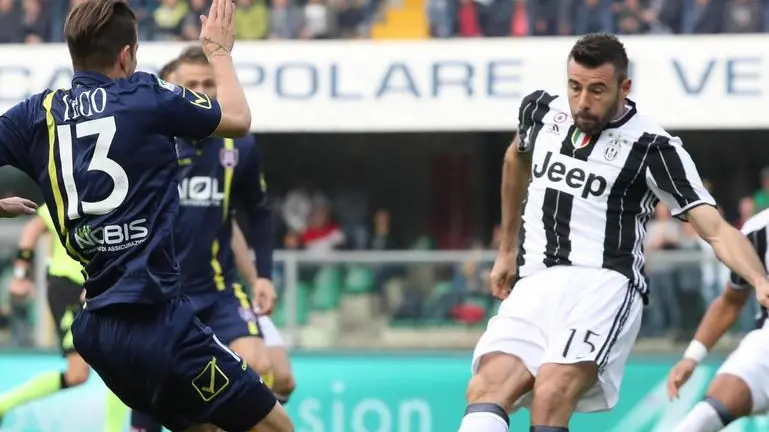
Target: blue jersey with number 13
point(104, 156)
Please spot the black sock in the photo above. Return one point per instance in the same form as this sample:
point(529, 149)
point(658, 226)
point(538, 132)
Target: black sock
point(488, 408)
point(144, 423)
point(548, 429)
point(723, 413)
point(63, 381)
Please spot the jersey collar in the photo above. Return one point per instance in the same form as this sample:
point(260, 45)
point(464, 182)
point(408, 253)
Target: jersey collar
point(89, 79)
point(625, 118)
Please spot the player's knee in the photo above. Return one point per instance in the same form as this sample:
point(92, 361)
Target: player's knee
point(501, 379)
point(284, 383)
point(276, 421)
point(75, 376)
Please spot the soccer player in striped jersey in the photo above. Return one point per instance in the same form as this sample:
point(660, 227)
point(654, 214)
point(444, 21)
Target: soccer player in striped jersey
point(741, 385)
point(104, 155)
point(591, 168)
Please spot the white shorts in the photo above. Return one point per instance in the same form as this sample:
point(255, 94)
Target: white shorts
point(270, 332)
point(750, 363)
point(565, 315)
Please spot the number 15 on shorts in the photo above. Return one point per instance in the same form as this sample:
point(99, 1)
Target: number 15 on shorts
point(581, 344)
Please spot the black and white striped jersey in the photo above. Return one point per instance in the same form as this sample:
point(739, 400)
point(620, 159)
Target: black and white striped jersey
point(590, 197)
point(756, 229)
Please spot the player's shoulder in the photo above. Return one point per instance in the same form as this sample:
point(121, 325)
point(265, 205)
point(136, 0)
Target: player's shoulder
point(757, 222)
point(646, 131)
point(536, 105)
point(143, 83)
point(32, 110)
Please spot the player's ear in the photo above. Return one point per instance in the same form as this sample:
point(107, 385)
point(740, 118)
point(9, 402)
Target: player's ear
point(127, 60)
point(625, 86)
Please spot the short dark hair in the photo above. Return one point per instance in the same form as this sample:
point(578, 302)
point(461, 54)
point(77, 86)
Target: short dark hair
point(597, 49)
point(168, 69)
point(97, 31)
point(193, 54)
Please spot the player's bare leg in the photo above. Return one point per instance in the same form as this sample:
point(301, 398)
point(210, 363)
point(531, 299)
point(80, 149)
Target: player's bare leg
point(500, 381)
point(727, 400)
point(46, 384)
point(283, 383)
point(254, 352)
point(276, 421)
point(557, 390)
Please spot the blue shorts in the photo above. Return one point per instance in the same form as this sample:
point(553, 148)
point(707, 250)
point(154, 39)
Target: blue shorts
point(161, 360)
point(228, 313)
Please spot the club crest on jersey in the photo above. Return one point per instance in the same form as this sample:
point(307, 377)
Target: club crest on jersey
point(168, 86)
point(560, 117)
point(613, 146)
point(228, 157)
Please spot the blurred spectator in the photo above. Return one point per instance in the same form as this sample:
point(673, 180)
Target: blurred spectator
point(633, 18)
point(593, 16)
point(35, 21)
point(350, 204)
point(145, 21)
point(251, 19)
point(191, 22)
point(543, 17)
point(703, 17)
point(322, 234)
point(299, 204)
point(169, 19)
point(349, 19)
point(11, 26)
point(746, 208)
point(441, 18)
point(317, 20)
point(467, 19)
point(761, 197)
point(743, 16)
point(664, 312)
point(285, 20)
point(382, 237)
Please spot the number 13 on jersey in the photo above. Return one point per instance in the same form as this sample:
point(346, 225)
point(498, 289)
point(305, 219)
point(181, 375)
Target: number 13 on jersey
point(104, 130)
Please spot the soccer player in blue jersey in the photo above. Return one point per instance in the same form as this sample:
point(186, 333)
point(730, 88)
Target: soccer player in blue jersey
point(103, 153)
point(217, 176)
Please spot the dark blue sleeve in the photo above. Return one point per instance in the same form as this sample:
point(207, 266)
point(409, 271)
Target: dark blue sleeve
point(252, 195)
point(16, 127)
point(185, 113)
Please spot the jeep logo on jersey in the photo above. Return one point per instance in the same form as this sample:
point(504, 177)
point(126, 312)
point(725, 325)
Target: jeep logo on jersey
point(200, 191)
point(574, 178)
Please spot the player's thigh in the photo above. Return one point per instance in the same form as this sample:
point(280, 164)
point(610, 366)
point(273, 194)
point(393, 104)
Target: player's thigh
point(210, 383)
point(77, 369)
point(283, 377)
point(742, 382)
point(231, 316)
point(591, 340)
point(64, 303)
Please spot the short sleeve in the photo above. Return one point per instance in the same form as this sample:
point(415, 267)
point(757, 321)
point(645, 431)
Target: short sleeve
point(16, 136)
point(530, 114)
point(185, 113)
point(672, 176)
point(757, 238)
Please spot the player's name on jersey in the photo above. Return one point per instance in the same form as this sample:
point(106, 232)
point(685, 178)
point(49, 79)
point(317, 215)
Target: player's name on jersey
point(692, 82)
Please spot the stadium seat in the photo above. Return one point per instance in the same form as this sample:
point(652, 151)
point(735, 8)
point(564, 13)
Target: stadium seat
point(328, 289)
point(359, 280)
point(280, 315)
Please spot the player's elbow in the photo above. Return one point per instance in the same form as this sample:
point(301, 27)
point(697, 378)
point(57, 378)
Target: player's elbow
point(234, 125)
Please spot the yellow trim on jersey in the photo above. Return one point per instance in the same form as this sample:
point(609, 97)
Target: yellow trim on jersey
point(237, 289)
point(229, 144)
point(53, 175)
point(218, 275)
point(229, 172)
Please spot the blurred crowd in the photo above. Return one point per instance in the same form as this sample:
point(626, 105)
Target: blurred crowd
point(36, 21)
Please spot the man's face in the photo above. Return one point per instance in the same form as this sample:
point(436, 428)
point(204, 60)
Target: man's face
point(196, 77)
point(595, 95)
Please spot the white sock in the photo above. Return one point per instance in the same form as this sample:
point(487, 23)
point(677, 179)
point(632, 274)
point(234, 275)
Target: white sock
point(702, 418)
point(483, 422)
